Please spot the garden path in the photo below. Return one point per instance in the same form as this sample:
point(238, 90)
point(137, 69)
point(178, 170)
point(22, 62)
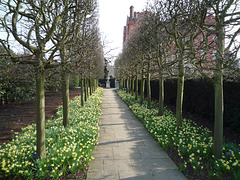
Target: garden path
point(125, 149)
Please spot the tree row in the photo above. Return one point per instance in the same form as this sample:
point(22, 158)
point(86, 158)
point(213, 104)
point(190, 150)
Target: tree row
point(182, 39)
point(53, 36)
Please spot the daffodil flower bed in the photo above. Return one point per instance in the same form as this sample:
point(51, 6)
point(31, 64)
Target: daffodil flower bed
point(194, 144)
point(67, 149)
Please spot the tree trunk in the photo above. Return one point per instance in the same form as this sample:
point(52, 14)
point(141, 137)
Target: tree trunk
point(127, 85)
point(65, 88)
point(85, 89)
point(82, 90)
point(94, 85)
point(142, 88)
point(161, 92)
point(65, 98)
point(124, 84)
point(136, 86)
point(130, 85)
point(88, 93)
point(180, 89)
point(120, 84)
point(90, 86)
point(133, 85)
point(149, 85)
point(41, 147)
point(218, 87)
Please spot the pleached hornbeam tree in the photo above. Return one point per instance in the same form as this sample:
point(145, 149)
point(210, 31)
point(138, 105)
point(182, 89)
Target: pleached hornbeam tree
point(220, 34)
point(39, 26)
point(180, 19)
point(68, 31)
point(88, 52)
point(161, 47)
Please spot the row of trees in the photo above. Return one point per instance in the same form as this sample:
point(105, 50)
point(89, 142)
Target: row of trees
point(55, 34)
point(182, 39)
point(18, 85)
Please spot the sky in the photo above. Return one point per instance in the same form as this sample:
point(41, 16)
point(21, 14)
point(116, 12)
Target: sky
point(113, 16)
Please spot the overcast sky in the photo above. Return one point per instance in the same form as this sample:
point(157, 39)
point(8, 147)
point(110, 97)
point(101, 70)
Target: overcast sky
point(113, 17)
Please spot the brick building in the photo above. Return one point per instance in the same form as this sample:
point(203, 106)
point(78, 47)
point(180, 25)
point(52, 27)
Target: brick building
point(131, 23)
point(206, 58)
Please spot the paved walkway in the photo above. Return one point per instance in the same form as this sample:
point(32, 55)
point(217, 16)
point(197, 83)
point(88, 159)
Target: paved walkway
point(126, 150)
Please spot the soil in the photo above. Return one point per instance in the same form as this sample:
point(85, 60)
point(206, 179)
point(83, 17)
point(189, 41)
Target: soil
point(229, 134)
point(14, 116)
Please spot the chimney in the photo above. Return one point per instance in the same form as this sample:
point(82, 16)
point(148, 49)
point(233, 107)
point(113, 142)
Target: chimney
point(131, 12)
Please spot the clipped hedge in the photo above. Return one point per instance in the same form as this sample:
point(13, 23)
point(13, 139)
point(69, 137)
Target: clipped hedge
point(199, 99)
point(103, 81)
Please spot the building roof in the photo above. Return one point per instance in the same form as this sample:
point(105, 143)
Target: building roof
point(131, 23)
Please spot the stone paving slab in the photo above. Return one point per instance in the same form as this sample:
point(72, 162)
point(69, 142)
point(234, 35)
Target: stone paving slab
point(125, 149)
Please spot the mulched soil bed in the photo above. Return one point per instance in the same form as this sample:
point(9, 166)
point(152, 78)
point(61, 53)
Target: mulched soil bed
point(229, 134)
point(15, 116)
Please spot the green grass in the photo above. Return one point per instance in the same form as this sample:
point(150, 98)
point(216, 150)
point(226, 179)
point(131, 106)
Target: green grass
point(193, 144)
point(67, 149)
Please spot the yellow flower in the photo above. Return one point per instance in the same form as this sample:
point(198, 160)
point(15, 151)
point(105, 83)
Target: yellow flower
point(3, 163)
point(235, 163)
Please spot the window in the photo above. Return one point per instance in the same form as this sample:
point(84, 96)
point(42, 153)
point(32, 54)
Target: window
point(214, 54)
